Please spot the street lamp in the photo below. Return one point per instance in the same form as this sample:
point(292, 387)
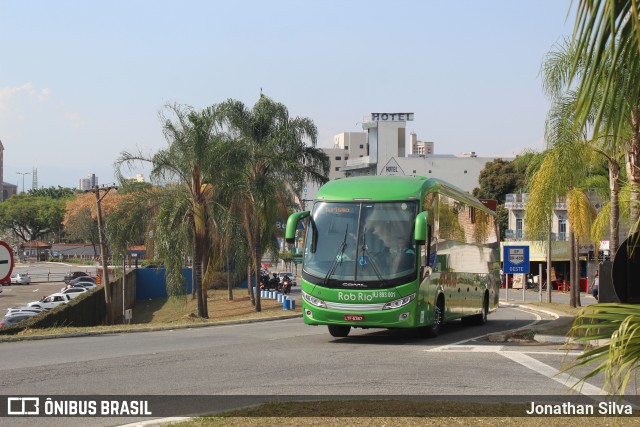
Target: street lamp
point(23, 174)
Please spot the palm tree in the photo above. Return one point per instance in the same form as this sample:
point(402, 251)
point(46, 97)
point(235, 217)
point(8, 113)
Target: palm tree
point(198, 156)
point(276, 153)
point(608, 32)
point(556, 85)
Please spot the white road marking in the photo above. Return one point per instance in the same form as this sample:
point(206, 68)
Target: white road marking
point(479, 337)
point(552, 373)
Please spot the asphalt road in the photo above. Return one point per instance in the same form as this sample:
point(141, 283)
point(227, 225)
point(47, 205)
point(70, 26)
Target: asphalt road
point(282, 358)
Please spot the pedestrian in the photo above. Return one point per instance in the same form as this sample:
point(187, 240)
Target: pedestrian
point(596, 286)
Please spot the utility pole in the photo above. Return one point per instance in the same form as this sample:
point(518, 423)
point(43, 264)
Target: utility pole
point(100, 193)
point(23, 174)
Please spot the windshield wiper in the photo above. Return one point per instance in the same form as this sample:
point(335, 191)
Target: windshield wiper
point(370, 260)
point(338, 257)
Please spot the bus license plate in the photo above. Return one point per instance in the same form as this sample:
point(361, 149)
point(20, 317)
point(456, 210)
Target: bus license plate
point(354, 317)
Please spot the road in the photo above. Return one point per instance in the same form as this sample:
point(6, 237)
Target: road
point(283, 358)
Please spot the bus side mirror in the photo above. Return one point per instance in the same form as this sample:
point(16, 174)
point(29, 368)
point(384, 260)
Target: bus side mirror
point(420, 233)
point(292, 225)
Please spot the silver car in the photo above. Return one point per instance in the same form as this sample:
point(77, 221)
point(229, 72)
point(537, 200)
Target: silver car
point(20, 279)
point(13, 318)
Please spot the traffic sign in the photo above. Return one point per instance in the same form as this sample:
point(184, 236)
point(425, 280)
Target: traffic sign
point(516, 259)
point(6, 262)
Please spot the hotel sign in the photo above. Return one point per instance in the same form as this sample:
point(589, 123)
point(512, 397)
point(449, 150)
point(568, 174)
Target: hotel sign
point(391, 117)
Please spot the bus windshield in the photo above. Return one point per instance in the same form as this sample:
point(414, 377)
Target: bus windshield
point(361, 244)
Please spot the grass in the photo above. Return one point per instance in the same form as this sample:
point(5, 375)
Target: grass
point(393, 413)
point(173, 312)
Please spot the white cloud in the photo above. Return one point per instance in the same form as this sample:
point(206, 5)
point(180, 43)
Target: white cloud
point(7, 93)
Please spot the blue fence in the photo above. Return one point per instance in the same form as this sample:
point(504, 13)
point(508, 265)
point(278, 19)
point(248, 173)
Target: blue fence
point(151, 283)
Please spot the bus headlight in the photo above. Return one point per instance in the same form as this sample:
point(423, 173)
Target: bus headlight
point(313, 300)
point(399, 302)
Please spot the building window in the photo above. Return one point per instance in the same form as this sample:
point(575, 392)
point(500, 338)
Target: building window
point(562, 229)
point(337, 168)
point(338, 157)
point(519, 224)
point(429, 170)
point(346, 158)
point(346, 147)
point(414, 171)
point(361, 155)
point(465, 171)
point(361, 146)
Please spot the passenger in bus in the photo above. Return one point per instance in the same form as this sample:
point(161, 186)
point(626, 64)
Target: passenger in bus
point(402, 247)
point(404, 255)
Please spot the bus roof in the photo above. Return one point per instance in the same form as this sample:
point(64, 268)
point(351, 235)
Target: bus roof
point(383, 188)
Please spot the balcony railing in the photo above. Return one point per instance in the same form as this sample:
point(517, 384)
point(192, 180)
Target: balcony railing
point(519, 201)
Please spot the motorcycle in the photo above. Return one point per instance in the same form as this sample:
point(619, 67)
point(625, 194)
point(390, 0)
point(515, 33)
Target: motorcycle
point(286, 285)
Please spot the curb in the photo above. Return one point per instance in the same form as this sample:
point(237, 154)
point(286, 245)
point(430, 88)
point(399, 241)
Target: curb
point(544, 338)
point(147, 329)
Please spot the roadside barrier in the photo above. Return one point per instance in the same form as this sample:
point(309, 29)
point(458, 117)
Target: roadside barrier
point(288, 303)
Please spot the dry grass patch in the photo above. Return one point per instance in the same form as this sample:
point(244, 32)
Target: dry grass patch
point(184, 309)
point(396, 413)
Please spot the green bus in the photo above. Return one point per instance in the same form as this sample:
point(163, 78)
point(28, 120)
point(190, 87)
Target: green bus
point(397, 252)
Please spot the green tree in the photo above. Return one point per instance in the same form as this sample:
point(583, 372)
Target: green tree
point(276, 153)
point(130, 186)
point(197, 156)
point(82, 228)
point(31, 217)
point(53, 192)
point(497, 179)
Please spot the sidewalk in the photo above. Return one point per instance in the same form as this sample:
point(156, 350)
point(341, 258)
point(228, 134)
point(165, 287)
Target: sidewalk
point(554, 332)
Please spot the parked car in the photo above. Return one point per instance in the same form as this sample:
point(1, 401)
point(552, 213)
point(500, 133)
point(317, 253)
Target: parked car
point(83, 285)
point(287, 273)
point(84, 279)
point(13, 318)
point(74, 291)
point(52, 301)
point(20, 279)
point(74, 274)
point(24, 309)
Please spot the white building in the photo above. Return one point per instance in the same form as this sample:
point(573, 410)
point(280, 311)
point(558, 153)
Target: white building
point(88, 183)
point(383, 150)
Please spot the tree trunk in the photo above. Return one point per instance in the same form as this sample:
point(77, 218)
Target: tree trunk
point(229, 287)
point(249, 233)
point(572, 266)
point(197, 283)
point(549, 267)
point(575, 287)
point(257, 260)
point(633, 169)
point(204, 288)
point(614, 219)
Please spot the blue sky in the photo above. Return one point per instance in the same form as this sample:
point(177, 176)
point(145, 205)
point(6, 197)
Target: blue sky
point(82, 81)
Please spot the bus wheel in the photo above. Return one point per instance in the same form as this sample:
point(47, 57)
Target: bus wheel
point(480, 318)
point(433, 330)
point(339, 331)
